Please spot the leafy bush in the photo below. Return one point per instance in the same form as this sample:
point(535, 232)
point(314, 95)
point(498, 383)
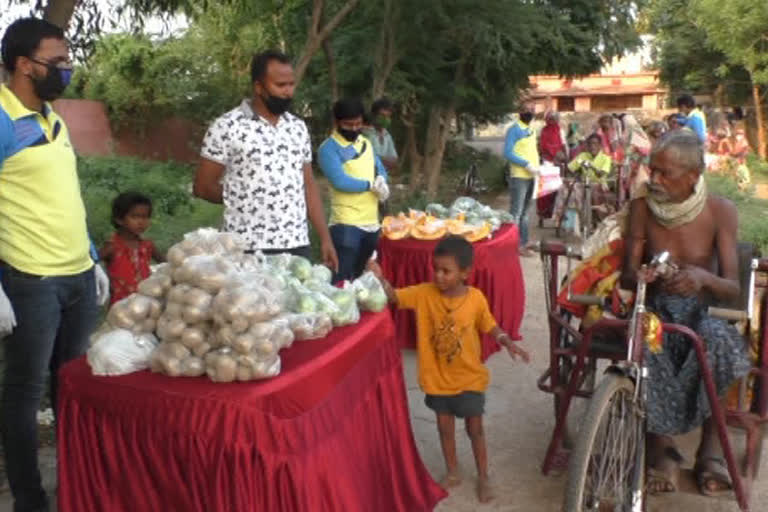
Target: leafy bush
point(752, 211)
point(168, 184)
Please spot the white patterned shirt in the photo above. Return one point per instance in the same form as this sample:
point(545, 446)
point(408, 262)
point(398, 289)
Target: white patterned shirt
point(263, 181)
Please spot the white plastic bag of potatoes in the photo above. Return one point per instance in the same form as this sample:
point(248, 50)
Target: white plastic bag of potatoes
point(176, 360)
point(205, 241)
point(120, 351)
point(226, 365)
point(136, 313)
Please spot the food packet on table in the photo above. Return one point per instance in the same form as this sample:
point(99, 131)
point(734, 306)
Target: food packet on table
point(225, 365)
point(464, 205)
point(437, 210)
point(301, 268)
point(205, 241)
point(211, 273)
point(136, 313)
point(176, 360)
point(119, 351)
point(306, 326)
point(369, 292)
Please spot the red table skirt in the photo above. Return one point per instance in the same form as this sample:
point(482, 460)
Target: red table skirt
point(497, 273)
point(332, 432)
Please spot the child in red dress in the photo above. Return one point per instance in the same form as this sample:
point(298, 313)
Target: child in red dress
point(126, 254)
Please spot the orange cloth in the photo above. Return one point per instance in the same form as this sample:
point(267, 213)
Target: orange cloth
point(589, 273)
point(448, 342)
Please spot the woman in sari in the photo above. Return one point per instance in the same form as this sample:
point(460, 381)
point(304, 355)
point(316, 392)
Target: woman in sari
point(552, 149)
point(636, 146)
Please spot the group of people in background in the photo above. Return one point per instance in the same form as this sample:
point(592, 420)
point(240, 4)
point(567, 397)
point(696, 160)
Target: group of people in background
point(612, 158)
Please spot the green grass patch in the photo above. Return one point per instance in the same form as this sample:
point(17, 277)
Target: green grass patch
point(752, 211)
point(168, 184)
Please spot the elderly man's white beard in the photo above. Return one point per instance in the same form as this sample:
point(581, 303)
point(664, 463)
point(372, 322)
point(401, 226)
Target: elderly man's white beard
point(672, 215)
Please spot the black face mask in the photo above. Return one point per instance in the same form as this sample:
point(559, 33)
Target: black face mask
point(276, 105)
point(350, 135)
point(526, 117)
point(50, 87)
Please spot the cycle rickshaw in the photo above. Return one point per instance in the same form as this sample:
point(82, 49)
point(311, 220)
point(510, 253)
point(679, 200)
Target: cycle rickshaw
point(606, 467)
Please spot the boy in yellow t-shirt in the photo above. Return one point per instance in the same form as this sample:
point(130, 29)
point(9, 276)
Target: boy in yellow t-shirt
point(449, 317)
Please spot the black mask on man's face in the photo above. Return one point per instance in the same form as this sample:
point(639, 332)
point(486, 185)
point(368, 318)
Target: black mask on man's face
point(275, 104)
point(350, 135)
point(52, 85)
point(526, 117)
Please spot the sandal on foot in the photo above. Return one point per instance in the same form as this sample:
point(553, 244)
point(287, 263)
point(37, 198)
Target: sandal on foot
point(711, 469)
point(665, 474)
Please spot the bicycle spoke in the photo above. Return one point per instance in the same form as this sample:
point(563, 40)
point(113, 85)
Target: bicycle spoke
point(608, 486)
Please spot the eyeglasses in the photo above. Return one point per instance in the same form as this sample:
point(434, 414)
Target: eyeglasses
point(57, 63)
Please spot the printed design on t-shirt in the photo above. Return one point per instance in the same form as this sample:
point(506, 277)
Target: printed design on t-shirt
point(446, 339)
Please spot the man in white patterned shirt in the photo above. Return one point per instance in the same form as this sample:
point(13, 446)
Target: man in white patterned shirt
point(257, 160)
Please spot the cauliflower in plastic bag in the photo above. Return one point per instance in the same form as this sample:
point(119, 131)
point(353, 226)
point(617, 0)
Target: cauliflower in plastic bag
point(301, 268)
point(370, 293)
point(120, 351)
point(505, 217)
point(464, 204)
point(437, 210)
point(321, 273)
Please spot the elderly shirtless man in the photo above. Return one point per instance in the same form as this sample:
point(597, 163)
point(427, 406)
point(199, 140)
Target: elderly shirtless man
point(699, 231)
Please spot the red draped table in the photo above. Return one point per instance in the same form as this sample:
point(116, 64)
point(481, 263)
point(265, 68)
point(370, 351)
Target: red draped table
point(331, 433)
point(496, 273)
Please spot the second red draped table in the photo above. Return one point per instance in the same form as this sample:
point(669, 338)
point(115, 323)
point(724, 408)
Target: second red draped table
point(497, 273)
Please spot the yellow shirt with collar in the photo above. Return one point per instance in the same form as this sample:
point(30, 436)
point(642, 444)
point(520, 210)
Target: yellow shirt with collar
point(42, 216)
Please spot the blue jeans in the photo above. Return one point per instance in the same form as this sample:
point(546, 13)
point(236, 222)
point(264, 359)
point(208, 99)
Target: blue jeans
point(354, 247)
point(520, 195)
point(54, 317)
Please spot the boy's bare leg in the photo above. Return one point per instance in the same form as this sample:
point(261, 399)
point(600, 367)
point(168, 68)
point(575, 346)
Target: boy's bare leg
point(476, 434)
point(447, 427)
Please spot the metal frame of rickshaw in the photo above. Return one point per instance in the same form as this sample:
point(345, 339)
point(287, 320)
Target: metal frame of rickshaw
point(573, 359)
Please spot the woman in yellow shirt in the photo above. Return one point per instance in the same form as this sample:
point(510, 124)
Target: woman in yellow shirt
point(449, 317)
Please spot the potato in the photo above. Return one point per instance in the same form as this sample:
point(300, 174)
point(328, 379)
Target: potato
point(149, 325)
point(176, 255)
point(157, 360)
point(192, 367)
point(193, 315)
point(192, 337)
point(244, 373)
point(261, 330)
point(178, 293)
point(202, 349)
point(155, 309)
point(240, 325)
point(173, 310)
point(172, 367)
point(258, 312)
point(176, 327)
point(152, 287)
point(120, 316)
point(183, 274)
point(243, 343)
point(226, 335)
point(210, 359)
point(265, 347)
point(226, 368)
point(198, 298)
point(212, 281)
point(282, 338)
point(176, 350)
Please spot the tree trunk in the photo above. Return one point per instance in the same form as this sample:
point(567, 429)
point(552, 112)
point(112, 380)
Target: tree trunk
point(438, 130)
point(333, 78)
point(59, 12)
point(759, 117)
point(416, 159)
point(386, 55)
point(317, 34)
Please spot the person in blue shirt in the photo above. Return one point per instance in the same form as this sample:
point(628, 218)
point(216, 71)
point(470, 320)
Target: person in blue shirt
point(358, 182)
point(522, 151)
point(694, 118)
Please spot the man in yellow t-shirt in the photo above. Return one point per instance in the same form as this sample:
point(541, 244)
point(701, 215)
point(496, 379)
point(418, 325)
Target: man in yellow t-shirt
point(51, 287)
point(522, 152)
point(450, 317)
